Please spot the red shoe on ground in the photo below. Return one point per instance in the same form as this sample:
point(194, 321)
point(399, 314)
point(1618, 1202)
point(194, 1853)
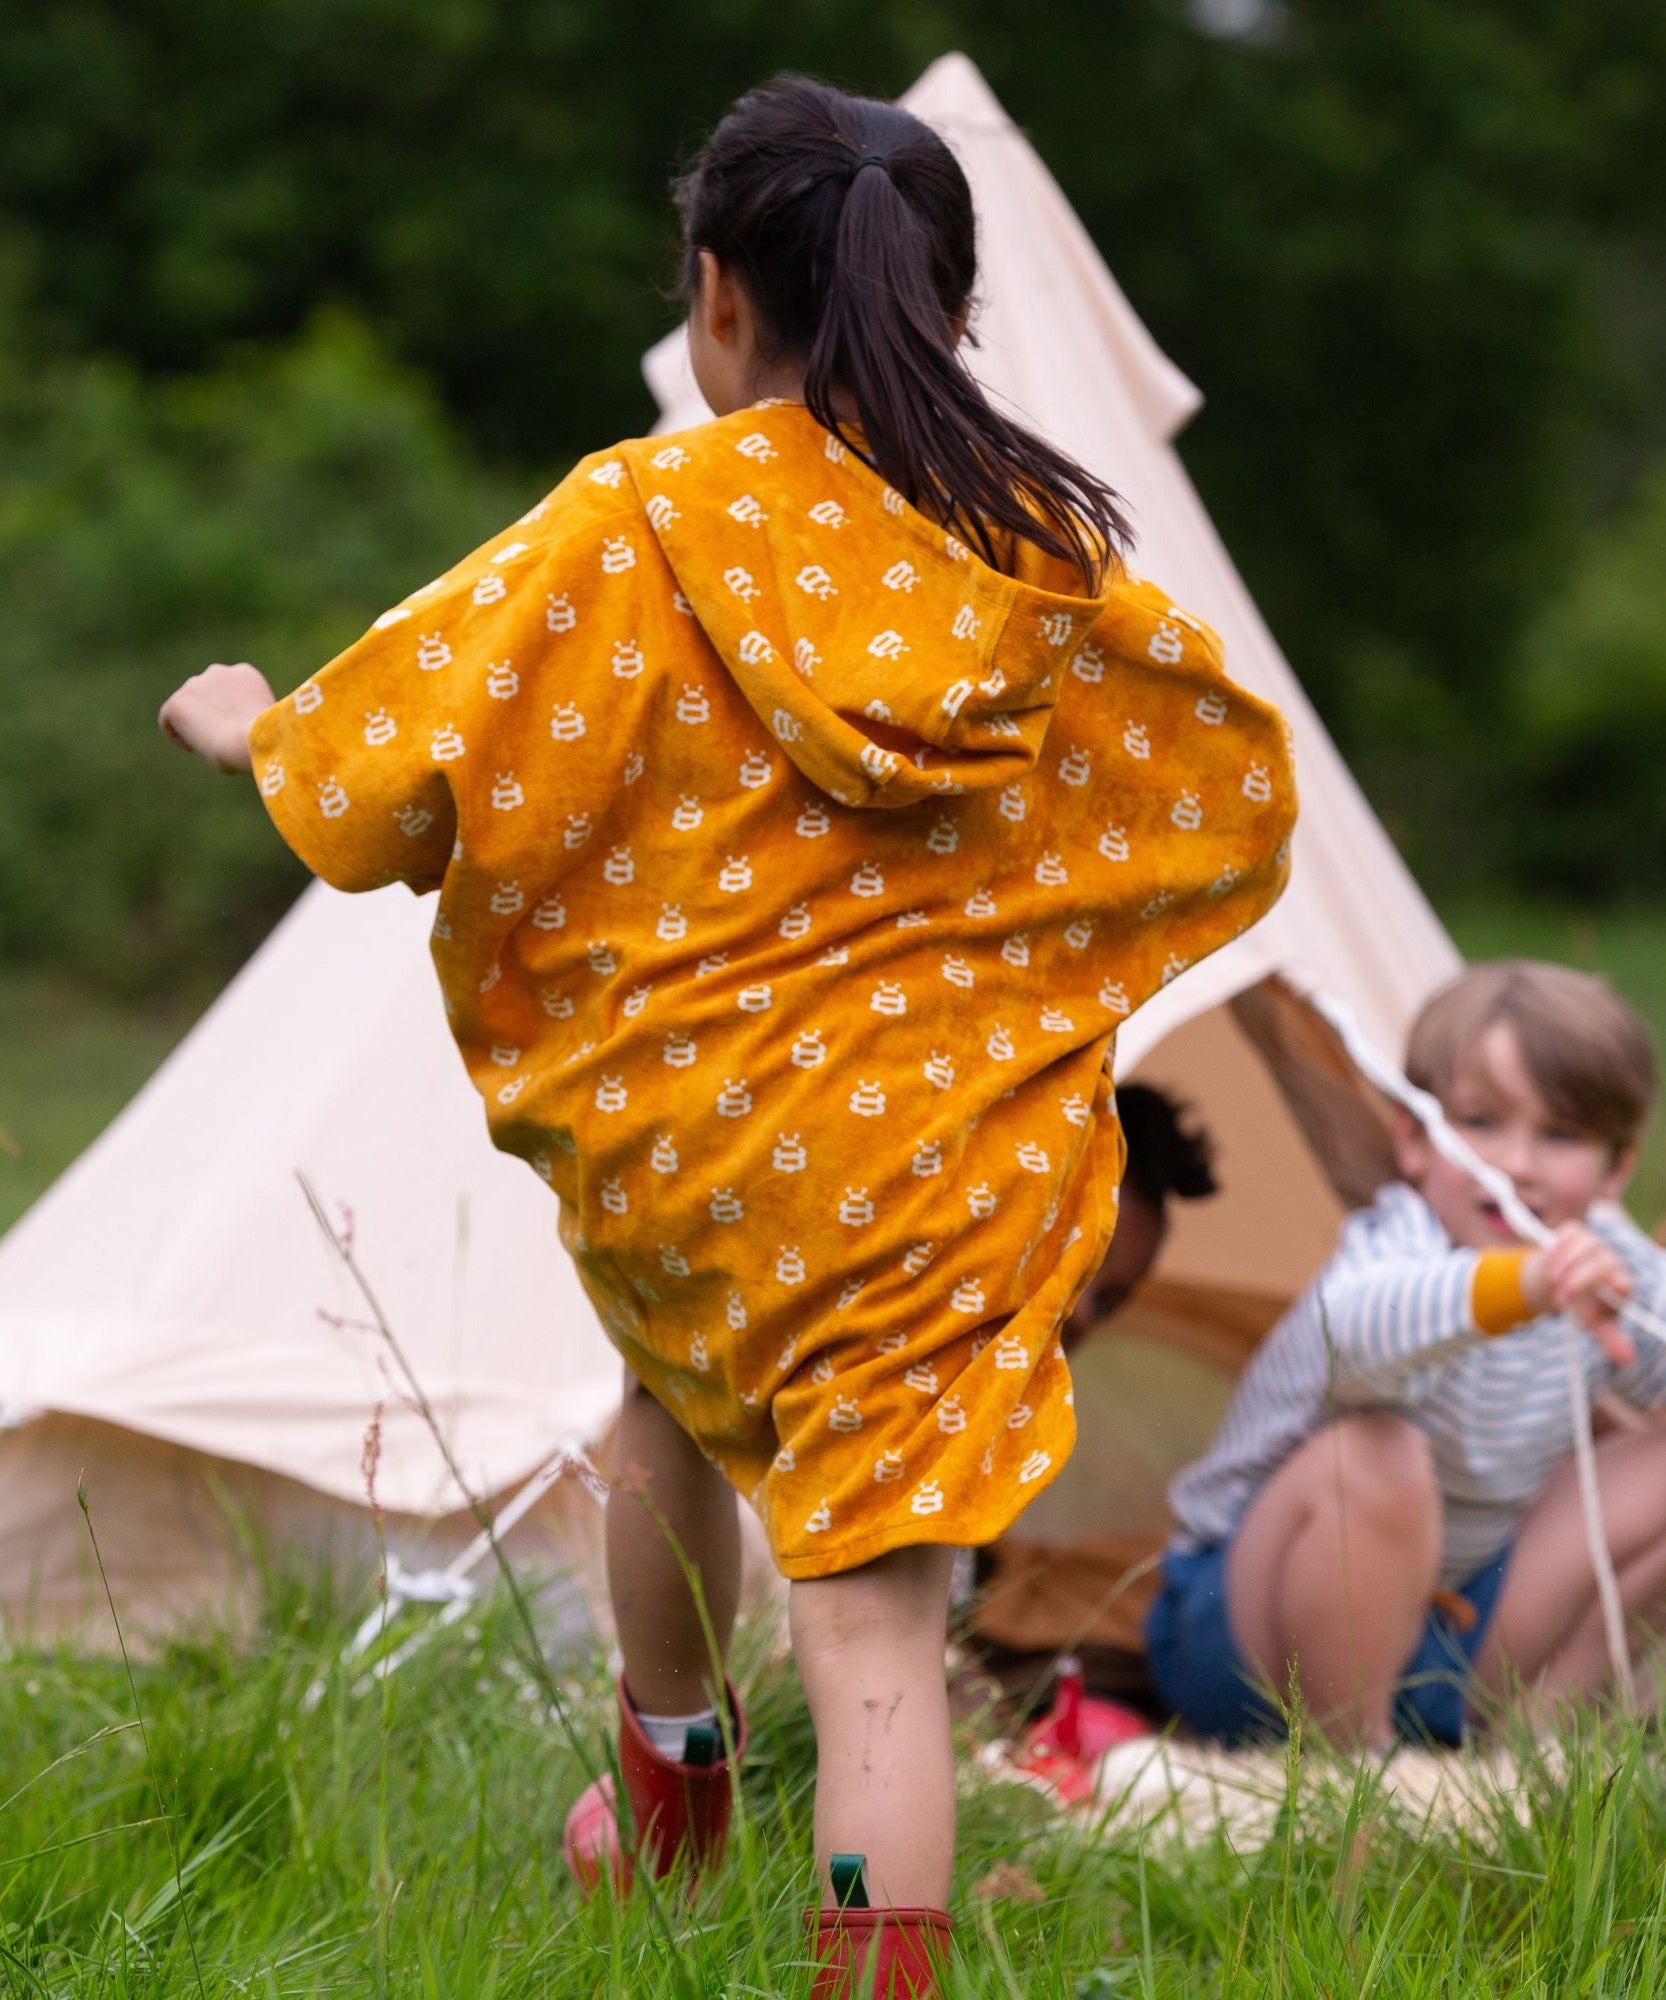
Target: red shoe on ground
point(676, 1809)
point(890, 1954)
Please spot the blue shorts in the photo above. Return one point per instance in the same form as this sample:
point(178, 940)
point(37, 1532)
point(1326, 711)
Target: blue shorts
point(1205, 1680)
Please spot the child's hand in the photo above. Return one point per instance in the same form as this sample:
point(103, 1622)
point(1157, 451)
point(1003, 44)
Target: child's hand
point(1575, 1272)
point(211, 714)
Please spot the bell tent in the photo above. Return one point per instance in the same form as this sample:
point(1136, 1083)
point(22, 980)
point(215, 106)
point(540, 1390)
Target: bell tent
point(179, 1333)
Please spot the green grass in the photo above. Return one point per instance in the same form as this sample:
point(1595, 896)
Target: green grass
point(412, 1847)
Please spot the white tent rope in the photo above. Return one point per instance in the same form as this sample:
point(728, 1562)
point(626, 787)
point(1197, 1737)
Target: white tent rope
point(1425, 1108)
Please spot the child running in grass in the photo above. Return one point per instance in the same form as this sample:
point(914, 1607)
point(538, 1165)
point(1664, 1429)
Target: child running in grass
point(1390, 1509)
point(809, 797)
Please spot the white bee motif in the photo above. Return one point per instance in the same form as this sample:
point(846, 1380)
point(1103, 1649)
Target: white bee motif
point(938, 1070)
point(912, 920)
point(445, 746)
point(734, 1311)
point(1011, 1354)
point(687, 814)
point(1076, 1109)
point(432, 654)
point(1166, 647)
point(699, 1354)
point(955, 697)
point(725, 1205)
point(550, 914)
point(828, 514)
point(855, 1209)
point(1136, 740)
point(332, 800)
point(1012, 802)
point(981, 1201)
point(756, 446)
point(609, 473)
point(610, 1094)
point(867, 881)
point(812, 822)
point(1033, 1158)
point(923, 1377)
point(1157, 905)
point(888, 998)
point(834, 955)
point(967, 624)
point(489, 590)
point(892, 1343)
point(755, 769)
point(741, 583)
point(1113, 844)
point(412, 820)
point(789, 1266)
point(543, 1167)
point(602, 957)
point(878, 763)
point(669, 458)
point(577, 830)
point(663, 1158)
point(789, 1156)
point(1089, 665)
point(980, 904)
point(1034, 1466)
point(681, 605)
point(618, 555)
point(848, 1293)
point(274, 778)
point(901, 576)
point(928, 1159)
point(787, 727)
point(1000, 1046)
point(511, 1090)
point(628, 659)
point(755, 649)
point(1114, 996)
point(734, 1100)
point(844, 1415)
point(1222, 883)
point(919, 1256)
point(1016, 950)
point(735, 874)
point(1173, 966)
point(566, 723)
point(672, 1261)
point(635, 1000)
point(1257, 786)
point(867, 1100)
point(1076, 768)
point(815, 581)
point(1186, 812)
point(944, 837)
point(808, 1051)
point(692, 704)
point(967, 1296)
point(679, 1050)
point(951, 1416)
point(619, 868)
point(559, 615)
point(819, 1522)
point(507, 900)
point(887, 1467)
point(1051, 872)
point(1057, 1022)
point(614, 1198)
point(1077, 935)
point(379, 727)
point(1210, 709)
point(927, 1498)
point(747, 511)
point(805, 658)
point(784, 1460)
point(1058, 628)
point(673, 925)
point(887, 645)
point(993, 684)
point(635, 765)
point(796, 923)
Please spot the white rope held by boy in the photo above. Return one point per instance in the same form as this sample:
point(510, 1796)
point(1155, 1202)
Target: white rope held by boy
point(1376, 1068)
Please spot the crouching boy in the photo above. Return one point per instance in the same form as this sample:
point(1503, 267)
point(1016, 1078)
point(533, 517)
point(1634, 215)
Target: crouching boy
point(1389, 1516)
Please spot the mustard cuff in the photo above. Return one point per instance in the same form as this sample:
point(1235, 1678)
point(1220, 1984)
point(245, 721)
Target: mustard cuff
point(1497, 1302)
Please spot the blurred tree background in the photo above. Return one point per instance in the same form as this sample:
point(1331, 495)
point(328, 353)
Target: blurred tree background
point(298, 298)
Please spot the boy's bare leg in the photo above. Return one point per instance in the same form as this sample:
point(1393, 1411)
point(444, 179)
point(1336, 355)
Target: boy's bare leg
point(668, 1665)
point(1547, 1635)
point(1334, 1567)
point(869, 1646)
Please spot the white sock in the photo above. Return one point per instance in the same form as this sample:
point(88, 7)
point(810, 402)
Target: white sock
point(669, 1733)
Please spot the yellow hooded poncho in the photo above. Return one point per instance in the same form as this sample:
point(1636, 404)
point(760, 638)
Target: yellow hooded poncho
point(796, 869)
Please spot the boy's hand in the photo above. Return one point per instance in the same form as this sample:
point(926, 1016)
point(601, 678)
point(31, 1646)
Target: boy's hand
point(211, 714)
point(1575, 1272)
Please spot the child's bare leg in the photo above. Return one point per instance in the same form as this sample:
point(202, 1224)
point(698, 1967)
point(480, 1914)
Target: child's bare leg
point(1334, 1567)
point(668, 1667)
point(869, 1646)
point(1547, 1634)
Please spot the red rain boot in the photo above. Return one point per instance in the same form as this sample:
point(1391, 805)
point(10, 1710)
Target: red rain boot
point(892, 1954)
point(675, 1809)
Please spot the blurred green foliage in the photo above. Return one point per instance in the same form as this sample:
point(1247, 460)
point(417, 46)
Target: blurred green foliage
point(302, 296)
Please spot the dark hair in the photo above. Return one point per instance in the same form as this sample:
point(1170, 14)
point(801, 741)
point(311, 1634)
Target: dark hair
point(1165, 1155)
point(850, 224)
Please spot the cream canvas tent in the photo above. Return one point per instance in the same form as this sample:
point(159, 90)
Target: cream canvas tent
point(163, 1309)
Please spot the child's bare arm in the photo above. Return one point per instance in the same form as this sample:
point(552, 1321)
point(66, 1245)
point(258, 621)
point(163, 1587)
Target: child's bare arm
point(212, 711)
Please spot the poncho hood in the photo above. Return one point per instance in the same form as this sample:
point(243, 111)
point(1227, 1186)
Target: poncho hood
point(889, 662)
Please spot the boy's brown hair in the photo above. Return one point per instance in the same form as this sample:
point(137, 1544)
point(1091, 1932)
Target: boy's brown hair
point(1588, 1053)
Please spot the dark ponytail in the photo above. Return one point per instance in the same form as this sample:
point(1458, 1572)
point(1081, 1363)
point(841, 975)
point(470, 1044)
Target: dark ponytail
point(850, 224)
